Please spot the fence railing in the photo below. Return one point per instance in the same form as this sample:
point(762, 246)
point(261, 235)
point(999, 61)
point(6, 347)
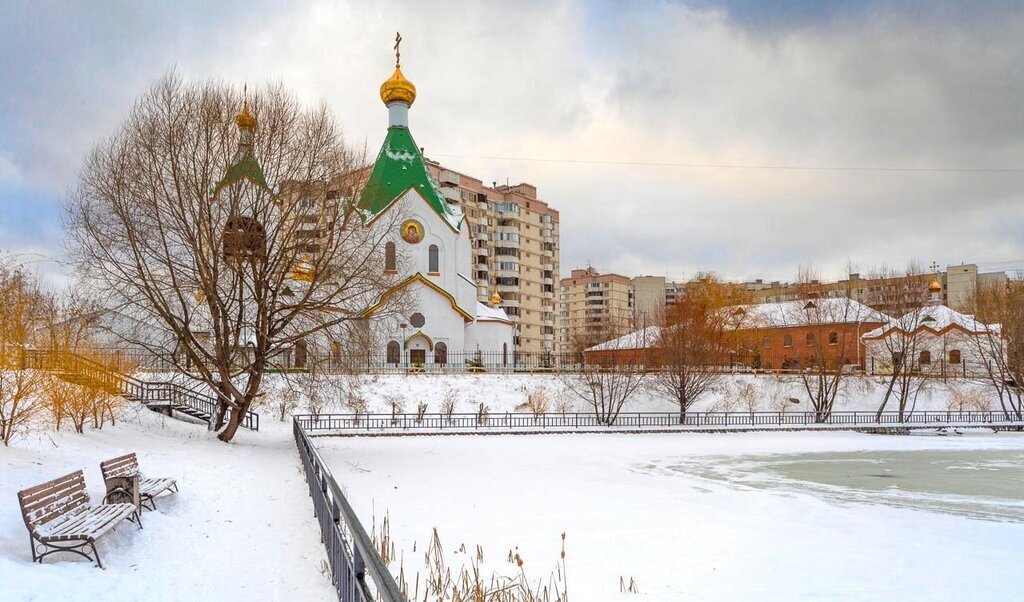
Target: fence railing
point(350, 551)
point(581, 421)
point(147, 392)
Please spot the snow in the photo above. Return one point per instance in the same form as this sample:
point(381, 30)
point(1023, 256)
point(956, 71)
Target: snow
point(935, 318)
point(784, 314)
point(241, 525)
point(484, 312)
point(645, 338)
point(504, 392)
point(639, 507)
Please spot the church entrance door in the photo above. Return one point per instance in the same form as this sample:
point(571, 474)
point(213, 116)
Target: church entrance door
point(418, 356)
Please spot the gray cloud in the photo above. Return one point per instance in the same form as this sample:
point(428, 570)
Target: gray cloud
point(920, 87)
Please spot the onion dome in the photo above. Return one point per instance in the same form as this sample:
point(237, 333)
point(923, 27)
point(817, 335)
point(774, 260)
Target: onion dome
point(398, 89)
point(495, 298)
point(935, 287)
point(245, 120)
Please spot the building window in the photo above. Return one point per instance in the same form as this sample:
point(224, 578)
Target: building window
point(954, 356)
point(394, 352)
point(433, 260)
point(833, 338)
point(810, 339)
point(441, 354)
point(417, 320)
point(787, 341)
point(390, 261)
point(925, 358)
point(766, 342)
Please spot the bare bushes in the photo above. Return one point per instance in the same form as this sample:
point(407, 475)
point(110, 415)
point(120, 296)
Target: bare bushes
point(967, 399)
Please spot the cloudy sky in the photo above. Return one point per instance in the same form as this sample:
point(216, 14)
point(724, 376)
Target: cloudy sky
point(664, 132)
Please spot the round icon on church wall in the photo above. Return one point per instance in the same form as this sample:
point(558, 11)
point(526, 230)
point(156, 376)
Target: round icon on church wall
point(412, 231)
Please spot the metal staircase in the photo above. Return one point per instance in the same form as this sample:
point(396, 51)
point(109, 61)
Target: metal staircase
point(165, 397)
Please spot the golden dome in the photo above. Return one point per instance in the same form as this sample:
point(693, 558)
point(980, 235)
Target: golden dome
point(935, 287)
point(495, 298)
point(397, 88)
point(245, 120)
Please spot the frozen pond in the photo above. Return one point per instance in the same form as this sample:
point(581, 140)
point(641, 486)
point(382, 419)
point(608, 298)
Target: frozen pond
point(754, 516)
point(982, 484)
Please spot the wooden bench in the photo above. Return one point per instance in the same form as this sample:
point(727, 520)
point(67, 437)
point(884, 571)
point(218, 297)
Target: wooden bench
point(128, 466)
point(59, 518)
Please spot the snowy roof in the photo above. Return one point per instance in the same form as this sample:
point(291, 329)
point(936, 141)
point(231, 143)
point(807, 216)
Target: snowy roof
point(935, 318)
point(786, 314)
point(641, 339)
point(490, 314)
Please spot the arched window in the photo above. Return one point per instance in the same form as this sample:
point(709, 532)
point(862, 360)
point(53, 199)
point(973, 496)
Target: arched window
point(390, 260)
point(433, 260)
point(766, 342)
point(394, 352)
point(954, 356)
point(810, 338)
point(787, 341)
point(504, 354)
point(833, 338)
point(301, 352)
point(925, 358)
point(441, 354)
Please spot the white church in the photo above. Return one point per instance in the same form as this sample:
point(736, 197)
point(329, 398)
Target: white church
point(433, 244)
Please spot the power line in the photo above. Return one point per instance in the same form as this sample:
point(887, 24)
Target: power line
point(783, 167)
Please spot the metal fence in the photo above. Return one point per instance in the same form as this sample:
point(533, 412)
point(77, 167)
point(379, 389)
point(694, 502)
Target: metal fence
point(356, 424)
point(350, 551)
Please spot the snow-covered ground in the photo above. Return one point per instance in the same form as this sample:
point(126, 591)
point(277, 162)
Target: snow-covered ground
point(241, 526)
point(708, 517)
point(503, 392)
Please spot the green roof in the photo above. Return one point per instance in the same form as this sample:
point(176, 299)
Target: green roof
point(399, 167)
point(248, 168)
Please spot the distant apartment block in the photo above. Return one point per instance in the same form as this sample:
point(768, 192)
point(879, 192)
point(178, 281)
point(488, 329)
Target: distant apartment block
point(593, 308)
point(651, 295)
point(515, 249)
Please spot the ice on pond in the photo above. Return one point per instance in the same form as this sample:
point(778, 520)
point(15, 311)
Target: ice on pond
point(981, 484)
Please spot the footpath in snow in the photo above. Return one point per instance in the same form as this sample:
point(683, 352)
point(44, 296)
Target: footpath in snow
point(241, 526)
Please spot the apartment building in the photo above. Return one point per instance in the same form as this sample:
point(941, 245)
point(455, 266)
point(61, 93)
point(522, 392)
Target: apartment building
point(593, 308)
point(959, 283)
point(651, 295)
point(515, 250)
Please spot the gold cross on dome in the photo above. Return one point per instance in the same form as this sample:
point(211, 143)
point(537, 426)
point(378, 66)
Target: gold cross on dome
point(398, 54)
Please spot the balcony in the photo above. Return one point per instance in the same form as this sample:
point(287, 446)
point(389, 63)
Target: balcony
point(508, 273)
point(510, 303)
point(480, 236)
point(548, 281)
point(508, 288)
point(452, 195)
point(482, 283)
point(449, 178)
point(481, 252)
point(548, 295)
point(548, 267)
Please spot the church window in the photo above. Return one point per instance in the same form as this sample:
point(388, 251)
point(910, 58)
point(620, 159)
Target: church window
point(766, 342)
point(390, 259)
point(787, 341)
point(433, 260)
point(954, 356)
point(810, 338)
point(417, 320)
point(925, 358)
point(394, 352)
point(833, 338)
point(441, 354)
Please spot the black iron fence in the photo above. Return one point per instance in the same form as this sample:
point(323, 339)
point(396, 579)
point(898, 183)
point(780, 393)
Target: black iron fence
point(581, 421)
point(350, 551)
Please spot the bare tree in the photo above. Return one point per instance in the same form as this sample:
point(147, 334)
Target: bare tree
point(999, 348)
point(610, 374)
point(902, 339)
point(690, 345)
point(233, 243)
point(22, 311)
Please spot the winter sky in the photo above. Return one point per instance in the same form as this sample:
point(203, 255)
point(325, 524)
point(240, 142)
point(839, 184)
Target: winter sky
point(575, 97)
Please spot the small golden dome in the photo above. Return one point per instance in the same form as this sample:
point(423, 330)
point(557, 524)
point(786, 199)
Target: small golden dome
point(397, 88)
point(935, 287)
point(495, 298)
point(245, 120)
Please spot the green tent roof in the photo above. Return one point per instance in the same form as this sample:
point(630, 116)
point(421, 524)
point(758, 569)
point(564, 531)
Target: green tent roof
point(398, 168)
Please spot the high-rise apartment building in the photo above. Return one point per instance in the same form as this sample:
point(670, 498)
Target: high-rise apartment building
point(593, 308)
point(515, 251)
point(651, 295)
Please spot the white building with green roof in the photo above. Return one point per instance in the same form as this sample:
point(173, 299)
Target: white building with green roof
point(431, 248)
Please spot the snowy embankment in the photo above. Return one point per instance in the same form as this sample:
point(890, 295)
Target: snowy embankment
point(504, 392)
point(241, 526)
point(641, 508)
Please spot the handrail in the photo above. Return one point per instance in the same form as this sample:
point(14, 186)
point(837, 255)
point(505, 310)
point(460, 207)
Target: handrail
point(350, 557)
point(575, 421)
point(129, 385)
